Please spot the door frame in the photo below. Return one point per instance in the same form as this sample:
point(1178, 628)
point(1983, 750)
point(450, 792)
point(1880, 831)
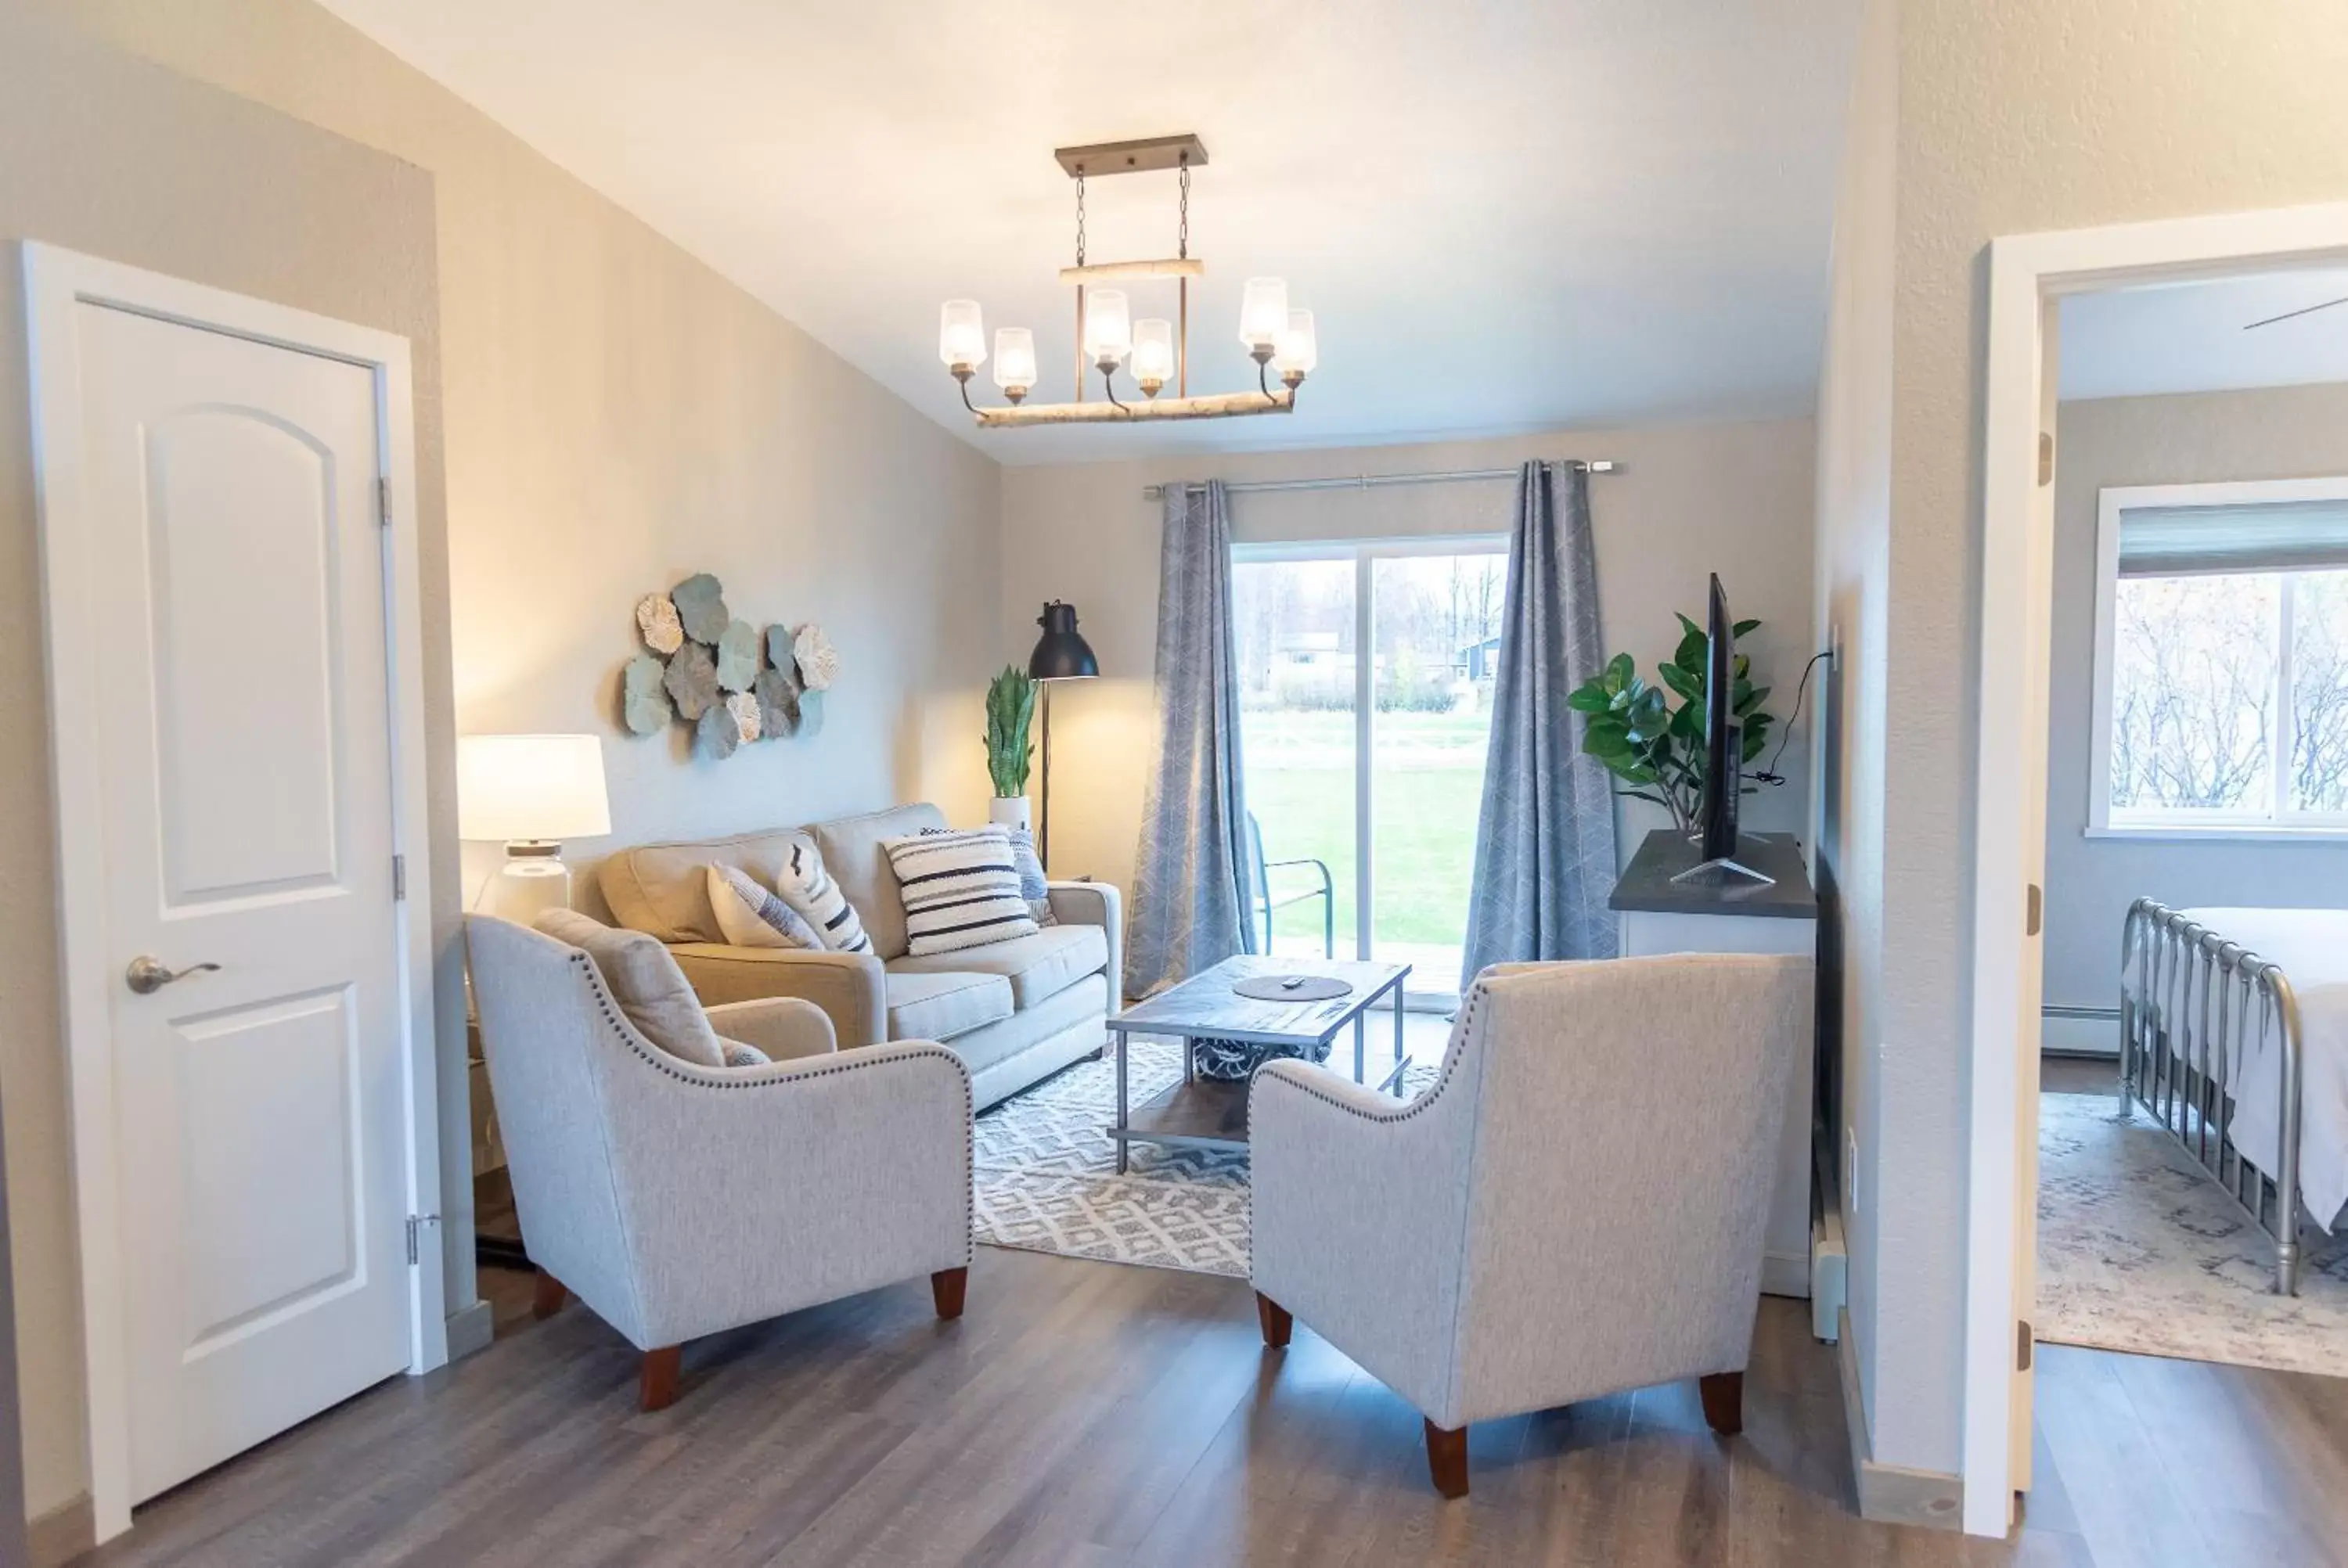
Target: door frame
point(1365, 553)
point(2026, 273)
point(56, 281)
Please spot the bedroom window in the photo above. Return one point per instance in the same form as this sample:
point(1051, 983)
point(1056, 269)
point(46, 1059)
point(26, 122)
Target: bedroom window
point(2221, 677)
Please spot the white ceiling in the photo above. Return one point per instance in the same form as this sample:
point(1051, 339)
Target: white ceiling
point(2197, 337)
point(1514, 214)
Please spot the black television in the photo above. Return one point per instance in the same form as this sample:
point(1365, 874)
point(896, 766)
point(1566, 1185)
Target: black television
point(1724, 778)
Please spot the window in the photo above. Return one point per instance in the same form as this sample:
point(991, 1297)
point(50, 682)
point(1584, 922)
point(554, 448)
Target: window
point(2221, 668)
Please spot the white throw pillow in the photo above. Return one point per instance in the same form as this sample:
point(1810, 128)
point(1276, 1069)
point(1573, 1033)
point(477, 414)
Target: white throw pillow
point(807, 889)
point(960, 890)
point(751, 917)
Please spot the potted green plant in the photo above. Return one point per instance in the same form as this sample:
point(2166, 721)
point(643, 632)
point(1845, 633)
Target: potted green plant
point(1657, 750)
point(1010, 709)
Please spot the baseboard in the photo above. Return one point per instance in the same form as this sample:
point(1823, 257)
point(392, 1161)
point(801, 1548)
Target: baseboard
point(470, 1329)
point(1786, 1274)
point(2079, 1032)
point(61, 1534)
point(1890, 1493)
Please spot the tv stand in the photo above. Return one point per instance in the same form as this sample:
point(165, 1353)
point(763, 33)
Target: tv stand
point(1721, 872)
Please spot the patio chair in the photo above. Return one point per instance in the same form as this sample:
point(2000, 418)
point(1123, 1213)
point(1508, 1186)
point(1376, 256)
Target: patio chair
point(1267, 901)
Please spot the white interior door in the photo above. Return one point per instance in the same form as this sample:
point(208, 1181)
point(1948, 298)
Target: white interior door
point(260, 1142)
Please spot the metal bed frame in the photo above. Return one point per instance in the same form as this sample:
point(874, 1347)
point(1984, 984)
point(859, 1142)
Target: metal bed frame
point(2191, 1000)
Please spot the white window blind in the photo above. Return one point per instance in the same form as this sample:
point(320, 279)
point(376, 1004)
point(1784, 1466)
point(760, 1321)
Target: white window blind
point(2273, 536)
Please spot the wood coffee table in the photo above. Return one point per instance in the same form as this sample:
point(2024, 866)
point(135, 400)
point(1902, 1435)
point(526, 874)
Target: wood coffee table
point(1211, 1114)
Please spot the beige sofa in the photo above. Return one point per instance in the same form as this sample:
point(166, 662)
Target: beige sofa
point(1014, 1012)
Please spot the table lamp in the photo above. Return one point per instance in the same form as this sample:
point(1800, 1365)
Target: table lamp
point(533, 792)
point(1061, 654)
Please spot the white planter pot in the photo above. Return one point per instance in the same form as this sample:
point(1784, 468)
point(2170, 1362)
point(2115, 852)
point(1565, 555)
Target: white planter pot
point(1009, 810)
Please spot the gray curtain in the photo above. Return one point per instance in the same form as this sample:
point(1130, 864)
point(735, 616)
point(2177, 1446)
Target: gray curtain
point(1193, 878)
point(1545, 840)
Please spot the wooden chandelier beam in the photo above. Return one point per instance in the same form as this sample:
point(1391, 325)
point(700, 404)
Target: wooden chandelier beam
point(1163, 266)
point(1138, 410)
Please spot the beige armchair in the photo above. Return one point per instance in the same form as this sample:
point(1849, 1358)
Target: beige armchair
point(1574, 1208)
point(677, 1200)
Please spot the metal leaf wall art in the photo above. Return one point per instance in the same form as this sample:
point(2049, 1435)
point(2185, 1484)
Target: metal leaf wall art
point(732, 683)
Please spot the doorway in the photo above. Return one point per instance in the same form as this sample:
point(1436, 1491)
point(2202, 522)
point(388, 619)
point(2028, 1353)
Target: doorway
point(2031, 276)
point(1365, 680)
point(235, 686)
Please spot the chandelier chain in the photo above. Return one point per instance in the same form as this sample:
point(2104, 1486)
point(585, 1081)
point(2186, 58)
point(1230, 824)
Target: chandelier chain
point(1182, 237)
point(1080, 217)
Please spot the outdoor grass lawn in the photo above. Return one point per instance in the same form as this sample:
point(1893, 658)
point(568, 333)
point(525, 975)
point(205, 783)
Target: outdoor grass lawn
point(1300, 785)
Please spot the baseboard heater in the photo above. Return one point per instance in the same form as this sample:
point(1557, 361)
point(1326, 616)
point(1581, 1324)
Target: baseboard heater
point(2079, 1032)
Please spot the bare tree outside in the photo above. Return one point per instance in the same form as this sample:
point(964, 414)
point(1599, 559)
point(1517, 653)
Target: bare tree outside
point(2319, 692)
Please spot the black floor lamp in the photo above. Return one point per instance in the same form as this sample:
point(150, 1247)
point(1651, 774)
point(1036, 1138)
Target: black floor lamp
point(1061, 654)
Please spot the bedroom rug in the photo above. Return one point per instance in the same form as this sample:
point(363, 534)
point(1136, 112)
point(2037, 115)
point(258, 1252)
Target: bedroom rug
point(2138, 1250)
point(1047, 1182)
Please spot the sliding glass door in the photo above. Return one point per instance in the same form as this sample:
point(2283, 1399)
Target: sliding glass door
point(1369, 769)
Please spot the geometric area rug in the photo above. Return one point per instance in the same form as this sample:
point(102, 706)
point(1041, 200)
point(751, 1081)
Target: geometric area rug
point(1046, 1176)
point(2138, 1250)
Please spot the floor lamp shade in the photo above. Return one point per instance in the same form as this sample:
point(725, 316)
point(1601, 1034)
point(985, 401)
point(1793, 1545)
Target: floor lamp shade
point(1061, 654)
point(533, 792)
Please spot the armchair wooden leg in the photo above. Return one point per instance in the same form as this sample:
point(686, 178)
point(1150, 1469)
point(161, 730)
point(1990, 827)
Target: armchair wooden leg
point(947, 1287)
point(1447, 1458)
point(658, 1383)
point(1723, 1402)
point(1277, 1323)
point(547, 1299)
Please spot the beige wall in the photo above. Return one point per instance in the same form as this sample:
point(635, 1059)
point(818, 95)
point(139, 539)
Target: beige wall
point(1852, 592)
point(2016, 116)
point(617, 415)
point(2278, 432)
point(109, 154)
point(1734, 498)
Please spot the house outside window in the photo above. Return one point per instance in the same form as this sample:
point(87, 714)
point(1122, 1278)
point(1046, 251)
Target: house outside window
point(2221, 675)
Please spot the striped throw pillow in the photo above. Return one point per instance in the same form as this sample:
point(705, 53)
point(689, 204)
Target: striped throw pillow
point(807, 889)
point(750, 917)
point(960, 890)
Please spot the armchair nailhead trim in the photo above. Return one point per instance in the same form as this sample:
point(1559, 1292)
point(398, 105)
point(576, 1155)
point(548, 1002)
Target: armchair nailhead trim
point(659, 1061)
point(1450, 1061)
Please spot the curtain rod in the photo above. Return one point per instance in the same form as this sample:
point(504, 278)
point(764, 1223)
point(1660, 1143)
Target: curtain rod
point(1372, 481)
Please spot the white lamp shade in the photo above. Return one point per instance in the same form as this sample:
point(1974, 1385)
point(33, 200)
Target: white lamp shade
point(1014, 357)
point(519, 787)
point(1108, 325)
point(1153, 349)
point(1299, 351)
point(1264, 312)
point(962, 333)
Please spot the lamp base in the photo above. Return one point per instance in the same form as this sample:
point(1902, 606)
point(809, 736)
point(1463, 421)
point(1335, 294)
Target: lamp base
point(533, 880)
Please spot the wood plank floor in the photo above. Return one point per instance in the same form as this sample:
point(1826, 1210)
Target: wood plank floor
point(1086, 1414)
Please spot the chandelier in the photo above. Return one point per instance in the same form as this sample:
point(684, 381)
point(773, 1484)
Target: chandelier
point(1153, 351)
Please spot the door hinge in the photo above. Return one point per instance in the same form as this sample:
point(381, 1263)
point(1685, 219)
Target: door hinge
point(399, 878)
point(383, 503)
point(2034, 914)
point(2045, 458)
point(2025, 1343)
point(415, 1224)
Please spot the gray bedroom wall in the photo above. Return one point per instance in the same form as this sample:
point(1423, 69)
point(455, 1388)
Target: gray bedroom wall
point(2279, 432)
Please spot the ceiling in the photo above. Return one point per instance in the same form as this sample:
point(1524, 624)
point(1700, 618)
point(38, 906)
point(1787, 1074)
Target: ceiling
point(1513, 215)
point(2197, 337)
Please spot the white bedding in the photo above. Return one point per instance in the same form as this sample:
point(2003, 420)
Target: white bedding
point(2311, 946)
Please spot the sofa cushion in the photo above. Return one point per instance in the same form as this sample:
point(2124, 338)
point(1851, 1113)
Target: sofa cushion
point(755, 916)
point(852, 853)
point(645, 982)
point(662, 889)
point(960, 890)
point(1038, 965)
point(941, 1006)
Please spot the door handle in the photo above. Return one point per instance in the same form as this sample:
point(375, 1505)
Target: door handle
point(147, 975)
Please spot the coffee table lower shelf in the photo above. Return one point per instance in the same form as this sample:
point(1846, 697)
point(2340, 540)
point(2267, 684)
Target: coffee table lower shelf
point(1207, 1113)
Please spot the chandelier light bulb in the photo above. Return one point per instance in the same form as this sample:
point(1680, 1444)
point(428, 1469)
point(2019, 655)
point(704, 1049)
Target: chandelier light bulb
point(1298, 351)
point(1108, 327)
point(962, 335)
point(1153, 353)
point(1263, 315)
point(1014, 360)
